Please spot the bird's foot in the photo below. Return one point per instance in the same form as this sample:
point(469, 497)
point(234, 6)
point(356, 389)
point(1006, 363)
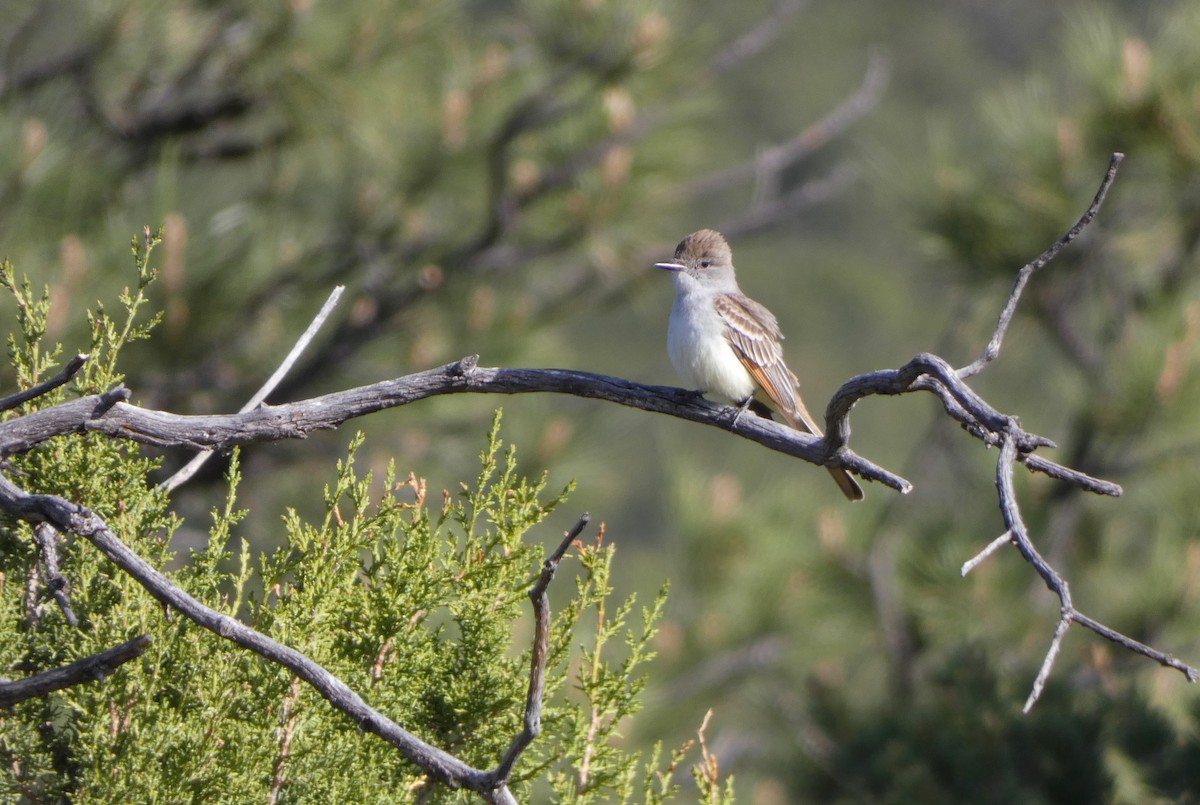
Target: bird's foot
point(741, 409)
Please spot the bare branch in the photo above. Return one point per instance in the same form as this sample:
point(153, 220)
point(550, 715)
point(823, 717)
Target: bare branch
point(931, 373)
point(107, 414)
point(190, 469)
point(85, 523)
point(541, 649)
point(1162, 658)
point(89, 669)
point(834, 124)
point(775, 211)
point(771, 207)
point(993, 347)
point(1057, 584)
point(1071, 476)
point(758, 38)
point(1039, 683)
point(70, 370)
point(46, 537)
point(993, 546)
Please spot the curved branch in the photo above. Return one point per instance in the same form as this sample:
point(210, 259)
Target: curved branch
point(107, 414)
point(541, 651)
point(89, 669)
point(70, 370)
point(1019, 536)
point(83, 522)
point(835, 123)
point(1010, 307)
point(927, 372)
point(931, 373)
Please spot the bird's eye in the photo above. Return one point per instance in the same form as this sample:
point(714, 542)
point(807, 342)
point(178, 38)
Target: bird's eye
point(706, 263)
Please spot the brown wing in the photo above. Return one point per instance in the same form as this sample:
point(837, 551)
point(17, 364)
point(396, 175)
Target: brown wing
point(754, 334)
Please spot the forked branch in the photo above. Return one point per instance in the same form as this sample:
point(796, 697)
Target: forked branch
point(933, 374)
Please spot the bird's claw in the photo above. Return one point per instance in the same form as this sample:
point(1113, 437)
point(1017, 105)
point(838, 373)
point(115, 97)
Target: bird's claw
point(741, 409)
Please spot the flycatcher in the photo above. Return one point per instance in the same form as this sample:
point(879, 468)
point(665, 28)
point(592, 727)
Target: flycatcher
point(721, 340)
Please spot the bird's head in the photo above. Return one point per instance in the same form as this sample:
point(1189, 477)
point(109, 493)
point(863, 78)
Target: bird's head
point(705, 257)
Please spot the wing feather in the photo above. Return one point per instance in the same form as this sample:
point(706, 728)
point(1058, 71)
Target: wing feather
point(754, 334)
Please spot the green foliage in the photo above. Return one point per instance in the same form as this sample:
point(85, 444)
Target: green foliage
point(483, 140)
point(611, 691)
point(57, 745)
point(419, 605)
point(108, 336)
point(958, 741)
point(25, 352)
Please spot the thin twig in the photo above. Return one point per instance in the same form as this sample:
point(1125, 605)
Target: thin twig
point(1160, 657)
point(757, 38)
point(993, 546)
point(1039, 683)
point(931, 373)
point(1058, 585)
point(70, 370)
point(1020, 538)
point(993, 347)
point(1071, 476)
point(192, 467)
point(89, 669)
point(288, 715)
point(769, 213)
point(541, 650)
point(46, 537)
point(708, 768)
point(778, 157)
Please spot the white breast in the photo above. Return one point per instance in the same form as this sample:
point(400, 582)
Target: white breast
point(699, 352)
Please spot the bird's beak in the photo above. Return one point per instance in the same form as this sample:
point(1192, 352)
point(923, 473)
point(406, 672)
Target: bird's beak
point(671, 266)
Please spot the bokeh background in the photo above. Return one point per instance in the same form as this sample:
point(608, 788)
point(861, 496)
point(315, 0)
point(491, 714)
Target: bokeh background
point(498, 177)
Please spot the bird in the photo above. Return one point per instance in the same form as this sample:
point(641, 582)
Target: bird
point(722, 341)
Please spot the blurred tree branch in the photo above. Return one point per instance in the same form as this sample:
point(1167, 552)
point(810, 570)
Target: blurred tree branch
point(757, 39)
point(490, 249)
point(774, 204)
